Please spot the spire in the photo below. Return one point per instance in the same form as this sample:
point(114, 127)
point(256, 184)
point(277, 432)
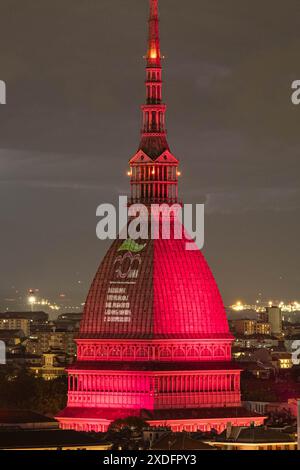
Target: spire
point(154, 178)
point(153, 140)
point(153, 54)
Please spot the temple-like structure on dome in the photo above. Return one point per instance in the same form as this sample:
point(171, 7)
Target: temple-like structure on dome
point(154, 340)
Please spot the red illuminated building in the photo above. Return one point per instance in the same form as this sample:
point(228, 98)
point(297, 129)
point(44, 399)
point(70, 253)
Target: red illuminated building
point(154, 339)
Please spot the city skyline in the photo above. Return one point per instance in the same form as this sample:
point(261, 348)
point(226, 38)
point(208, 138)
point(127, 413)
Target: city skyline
point(61, 143)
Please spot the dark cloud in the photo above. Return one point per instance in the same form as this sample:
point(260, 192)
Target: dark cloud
point(74, 74)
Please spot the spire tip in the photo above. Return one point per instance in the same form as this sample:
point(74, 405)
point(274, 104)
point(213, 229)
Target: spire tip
point(153, 55)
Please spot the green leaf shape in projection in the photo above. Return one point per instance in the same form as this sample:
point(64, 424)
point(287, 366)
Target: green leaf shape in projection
point(132, 246)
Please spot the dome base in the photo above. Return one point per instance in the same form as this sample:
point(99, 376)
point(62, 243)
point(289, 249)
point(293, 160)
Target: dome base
point(192, 420)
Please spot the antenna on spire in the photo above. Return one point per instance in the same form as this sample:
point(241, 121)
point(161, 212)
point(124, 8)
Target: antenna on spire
point(153, 54)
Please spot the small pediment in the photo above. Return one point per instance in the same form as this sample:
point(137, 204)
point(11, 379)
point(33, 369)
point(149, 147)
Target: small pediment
point(166, 157)
point(140, 157)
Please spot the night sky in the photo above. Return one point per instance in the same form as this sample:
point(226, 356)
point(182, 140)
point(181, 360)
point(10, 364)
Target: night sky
point(75, 79)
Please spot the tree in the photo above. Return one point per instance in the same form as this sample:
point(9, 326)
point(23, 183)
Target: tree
point(134, 423)
point(20, 389)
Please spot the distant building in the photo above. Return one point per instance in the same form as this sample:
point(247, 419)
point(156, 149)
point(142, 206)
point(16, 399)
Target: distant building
point(70, 321)
point(275, 319)
point(253, 438)
point(24, 419)
point(152, 434)
point(266, 408)
point(52, 339)
point(282, 360)
point(263, 316)
point(50, 440)
point(50, 369)
point(293, 330)
point(36, 318)
point(246, 327)
point(180, 441)
point(21, 359)
point(13, 340)
point(69, 316)
point(263, 328)
point(256, 342)
point(15, 323)
point(258, 370)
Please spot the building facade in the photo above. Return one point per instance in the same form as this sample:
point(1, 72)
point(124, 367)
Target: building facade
point(275, 319)
point(15, 323)
point(50, 369)
point(49, 339)
point(246, 327)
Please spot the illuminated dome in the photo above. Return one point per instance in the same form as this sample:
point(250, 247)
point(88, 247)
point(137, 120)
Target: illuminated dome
point(154, 289)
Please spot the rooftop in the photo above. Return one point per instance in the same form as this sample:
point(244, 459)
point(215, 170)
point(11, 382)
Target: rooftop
point(179, 441)
point(44, 438)
point(42, 316)
point(14, 416)
point(254, 435)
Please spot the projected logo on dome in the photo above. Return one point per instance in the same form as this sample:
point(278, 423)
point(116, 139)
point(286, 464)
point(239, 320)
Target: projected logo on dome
point(127, 265)
point(132, 246)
